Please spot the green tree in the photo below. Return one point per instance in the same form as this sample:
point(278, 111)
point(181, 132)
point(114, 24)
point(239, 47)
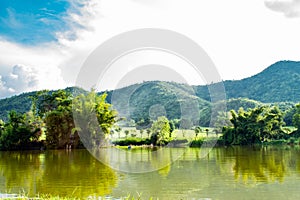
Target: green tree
point(206, 130)
point(223, 119)
point(296, 118)
point(197, 131)
point(94, 118)
point(172, 126)
point(126, 133)
point(148, 132)
point(17, 133)
point(160, 129)
point(255, 125)
point(141, 132)
point(57, 112)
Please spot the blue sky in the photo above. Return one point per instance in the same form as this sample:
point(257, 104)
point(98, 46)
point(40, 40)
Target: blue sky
point(44, 43)
point(32, 21)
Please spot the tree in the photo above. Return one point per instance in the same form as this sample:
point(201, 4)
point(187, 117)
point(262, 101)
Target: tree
point(17, 133)
point(161, 134)
point(255, 125)
point(126, 133)
point(206, 130)
point(296, 118)
point(197, 131)
point(141, 132)
point(148, 132)
point(223, 119)
point(118, 129)
point(94, 118)
point(172, 126)
point(57, 111)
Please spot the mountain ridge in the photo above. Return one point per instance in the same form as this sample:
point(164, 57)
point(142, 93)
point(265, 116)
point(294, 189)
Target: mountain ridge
point(277, 83)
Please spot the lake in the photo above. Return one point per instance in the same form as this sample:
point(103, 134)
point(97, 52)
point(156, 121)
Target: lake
point(271, 172)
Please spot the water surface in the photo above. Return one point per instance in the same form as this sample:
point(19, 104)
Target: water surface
point(225, 173)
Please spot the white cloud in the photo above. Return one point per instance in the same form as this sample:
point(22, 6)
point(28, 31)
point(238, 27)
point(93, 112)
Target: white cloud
point(290, 8)
point(242, 38)
point(21, 79)
point(29, 68)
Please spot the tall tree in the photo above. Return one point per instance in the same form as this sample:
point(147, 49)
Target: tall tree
point(255, 125)
point(161, 134)
point(296, 118)
point(59, 120)
point(94, 118)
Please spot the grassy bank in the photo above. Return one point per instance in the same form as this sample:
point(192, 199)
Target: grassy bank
point(50, 197)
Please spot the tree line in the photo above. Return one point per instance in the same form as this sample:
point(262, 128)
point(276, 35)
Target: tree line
point(50, 121)
point(258, 125)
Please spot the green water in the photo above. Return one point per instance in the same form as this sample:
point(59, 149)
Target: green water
point(225, 173)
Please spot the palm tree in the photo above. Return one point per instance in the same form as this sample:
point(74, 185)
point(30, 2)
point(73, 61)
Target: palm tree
point(126, 133)
point(141, 132)
point(206, 132)
point(148, 132)
point(197, 131)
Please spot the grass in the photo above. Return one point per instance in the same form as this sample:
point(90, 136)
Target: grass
point(178, 133)
point(50, 197)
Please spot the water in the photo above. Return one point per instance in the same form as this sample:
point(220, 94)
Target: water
point(225, 173)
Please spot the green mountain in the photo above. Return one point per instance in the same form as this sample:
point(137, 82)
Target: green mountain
point(278, 84)
point(150, 100)
point(22, 103)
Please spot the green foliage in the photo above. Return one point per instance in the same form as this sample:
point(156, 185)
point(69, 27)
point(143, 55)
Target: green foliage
point(94, 118)
point(197, 131)
point(197, 142)
point(255, 125)
point(277, 83)
point(20, 104)
point(133, 141)
point(136, 101)
point(222, 120)
point(161, 133)
point(288, 116)
point(57, 111)
point(53, 111)
point(17, 132)
point(296, 117)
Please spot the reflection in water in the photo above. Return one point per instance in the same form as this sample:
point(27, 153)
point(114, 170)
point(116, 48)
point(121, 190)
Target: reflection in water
point(226, 173)
point(258, 164)
point(138, 160)
point(62, 173)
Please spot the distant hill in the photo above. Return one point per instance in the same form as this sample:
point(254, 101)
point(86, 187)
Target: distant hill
point(22, 103)
point(156, 98)
point(277, 83)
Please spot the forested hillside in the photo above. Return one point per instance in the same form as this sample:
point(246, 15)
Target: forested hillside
point(278, 84)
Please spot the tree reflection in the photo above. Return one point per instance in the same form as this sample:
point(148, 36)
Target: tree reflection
point(258, 164)
point(62, 173)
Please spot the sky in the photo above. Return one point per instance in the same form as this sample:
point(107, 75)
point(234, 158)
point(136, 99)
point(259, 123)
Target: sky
point(44, 43)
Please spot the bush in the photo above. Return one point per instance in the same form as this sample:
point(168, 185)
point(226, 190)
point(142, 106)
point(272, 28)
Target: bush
point(132, 141)
point(197, 142)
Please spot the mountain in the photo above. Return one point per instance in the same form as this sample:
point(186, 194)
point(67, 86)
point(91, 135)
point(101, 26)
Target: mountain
point(22, 103)
point(150, 100)
point(277, 83)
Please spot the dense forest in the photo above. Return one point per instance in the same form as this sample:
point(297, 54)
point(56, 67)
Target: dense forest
point(50, 122)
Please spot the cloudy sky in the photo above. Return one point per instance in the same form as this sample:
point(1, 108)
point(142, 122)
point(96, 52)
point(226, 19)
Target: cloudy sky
point(43, 44)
